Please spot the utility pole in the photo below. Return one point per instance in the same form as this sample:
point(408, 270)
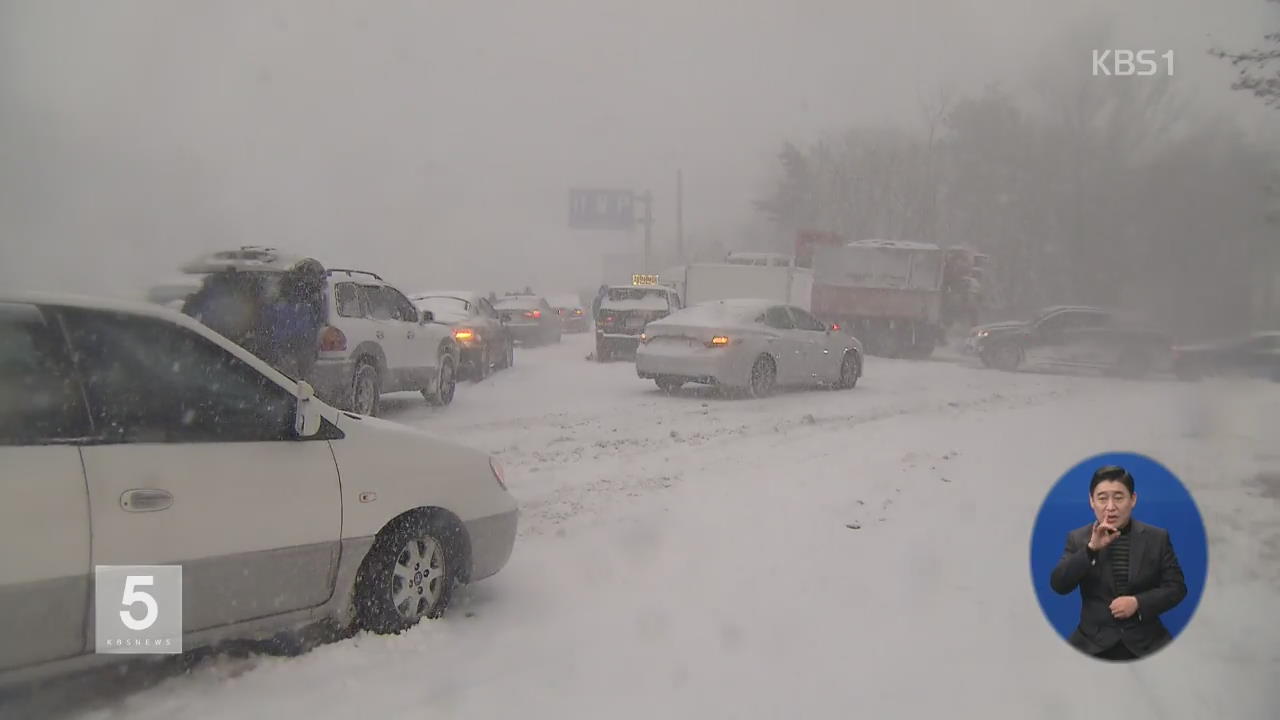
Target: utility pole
point(647, 199)
point(680, 214)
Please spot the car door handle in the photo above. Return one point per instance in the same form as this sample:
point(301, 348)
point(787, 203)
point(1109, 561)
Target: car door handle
point(146, 500)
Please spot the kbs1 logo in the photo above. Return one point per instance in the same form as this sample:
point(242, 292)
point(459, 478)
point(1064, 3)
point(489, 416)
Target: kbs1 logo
point(1127, 63)
point(138, 609)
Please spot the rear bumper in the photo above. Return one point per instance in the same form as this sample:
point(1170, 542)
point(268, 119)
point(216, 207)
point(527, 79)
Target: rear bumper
point(492, 540)
point(710, 366)
point(332, 380)
point(525, 333)
point(577, 324)
point(618, 341)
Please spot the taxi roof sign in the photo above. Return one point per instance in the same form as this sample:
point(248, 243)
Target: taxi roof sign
point(644, 279)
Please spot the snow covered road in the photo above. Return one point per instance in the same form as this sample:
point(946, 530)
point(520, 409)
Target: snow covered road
point(691, 556)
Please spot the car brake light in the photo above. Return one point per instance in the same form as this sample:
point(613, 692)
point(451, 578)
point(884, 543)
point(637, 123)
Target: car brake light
point(835, 326)
point(718, 341)
point(609, 319)
point(534, 314)
point(498, 472)
point(464, 334)
point(332, 339)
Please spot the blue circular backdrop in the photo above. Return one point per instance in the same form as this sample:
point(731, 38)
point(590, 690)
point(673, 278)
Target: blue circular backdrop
point(1162, 501)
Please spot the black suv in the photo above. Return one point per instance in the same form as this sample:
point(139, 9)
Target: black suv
point(1073, 337)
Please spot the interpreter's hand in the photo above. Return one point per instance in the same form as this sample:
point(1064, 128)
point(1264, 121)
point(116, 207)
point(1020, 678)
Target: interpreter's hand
point(1124, 607)
point(1103, 535)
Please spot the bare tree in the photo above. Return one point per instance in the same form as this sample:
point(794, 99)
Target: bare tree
point(1259, 69)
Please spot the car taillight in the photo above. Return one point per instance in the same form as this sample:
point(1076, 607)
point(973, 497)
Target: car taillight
point(577, 312)
point(464, 334)
point(535, 314)
point(835, 327)
point(498, 472)
point(608, 319)
point(332, 339)
point(718, 341)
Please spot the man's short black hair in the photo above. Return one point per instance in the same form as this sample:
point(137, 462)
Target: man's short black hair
point(1111, 473)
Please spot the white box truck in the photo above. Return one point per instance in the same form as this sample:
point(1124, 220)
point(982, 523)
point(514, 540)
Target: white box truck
point(784, 284)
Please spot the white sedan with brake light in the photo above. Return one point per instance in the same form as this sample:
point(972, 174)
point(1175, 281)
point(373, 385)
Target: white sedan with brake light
point(752, 346)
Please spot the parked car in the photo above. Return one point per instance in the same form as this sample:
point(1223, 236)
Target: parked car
point(529, 318)
point(371, 339)
point(484, 342)
point(1256, 355)
point(751, 346)
point(178, 447)
point(1073, 337)
point(573, 317)
point(625, 311)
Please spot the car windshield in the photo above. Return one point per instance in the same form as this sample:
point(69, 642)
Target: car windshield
point(641, 358)
point(442, 306)
point(715, 314)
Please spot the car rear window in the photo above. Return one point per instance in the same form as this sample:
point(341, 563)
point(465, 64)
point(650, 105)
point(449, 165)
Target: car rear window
point(517, 303)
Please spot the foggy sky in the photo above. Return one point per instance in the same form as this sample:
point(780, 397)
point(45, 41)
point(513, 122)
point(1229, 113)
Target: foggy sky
point(435, 142)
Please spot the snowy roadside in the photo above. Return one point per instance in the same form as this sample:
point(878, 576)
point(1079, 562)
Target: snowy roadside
point(713, 573)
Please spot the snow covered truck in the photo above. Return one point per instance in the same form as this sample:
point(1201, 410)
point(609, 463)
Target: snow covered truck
point(897, 297)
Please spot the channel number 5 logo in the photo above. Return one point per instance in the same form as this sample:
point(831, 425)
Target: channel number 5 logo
point(133, 596)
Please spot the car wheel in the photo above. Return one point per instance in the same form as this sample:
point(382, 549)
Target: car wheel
point(602, 353)
point(511, 355)
point(408, 574)
point(764, 377)
point(366, 389)
point(850, 368)
point(1005, 356)
point(446, 384)
point(481, 369)
point(669, 385)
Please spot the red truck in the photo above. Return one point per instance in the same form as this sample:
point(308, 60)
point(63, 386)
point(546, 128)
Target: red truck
point(897, 297)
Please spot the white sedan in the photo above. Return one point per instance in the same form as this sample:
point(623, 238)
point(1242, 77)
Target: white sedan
point(133, 435)
point(751, 346)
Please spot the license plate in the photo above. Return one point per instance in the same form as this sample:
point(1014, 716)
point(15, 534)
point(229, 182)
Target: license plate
point(635, 323)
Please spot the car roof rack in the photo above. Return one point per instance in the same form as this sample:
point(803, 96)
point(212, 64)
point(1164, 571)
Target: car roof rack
point(349, 271)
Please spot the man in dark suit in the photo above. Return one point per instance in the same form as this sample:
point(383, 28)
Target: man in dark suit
point(1126, 571)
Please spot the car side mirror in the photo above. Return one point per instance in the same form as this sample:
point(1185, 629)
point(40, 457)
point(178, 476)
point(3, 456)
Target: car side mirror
point(427, 316)
point(307, 417)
